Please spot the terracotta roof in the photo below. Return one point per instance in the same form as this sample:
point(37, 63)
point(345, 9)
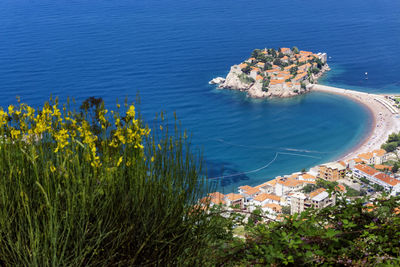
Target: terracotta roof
point(272, 182)
point(369, 207)
point(245, 187)
point(285, 49)
point(216, 195)
point(382, 167)
point(396, 210)
point(289, 67)
point(242, 65)
point(259, 77)
point(379, 152)
point(273, 206)
point(261, 185)
point(308, 176)
point(317, 192)
point(217, 198)
point(366, 169)
point(366, 156)
point(263, 196)
point(252, 191)
point(305, 52)
point(294, 175)
point(340, 188)
point(387, 179)
point(233, 197)
point(358, 160)
point(289, 182)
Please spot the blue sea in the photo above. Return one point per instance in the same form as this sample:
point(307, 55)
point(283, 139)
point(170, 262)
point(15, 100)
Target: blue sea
point(167, 51)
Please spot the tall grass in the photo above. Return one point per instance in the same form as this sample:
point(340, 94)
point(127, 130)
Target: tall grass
point(94, 188)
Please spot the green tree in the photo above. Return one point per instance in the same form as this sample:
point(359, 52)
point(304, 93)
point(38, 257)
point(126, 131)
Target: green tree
point(278, 62)
point(256, 53)
point(390, 147)
point(395, 167)
point(286, 210)
point(295, 50)
point(293, 70)
point(246, 69)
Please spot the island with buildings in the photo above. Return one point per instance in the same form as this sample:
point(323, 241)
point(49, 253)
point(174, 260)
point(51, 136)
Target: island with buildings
point(275, 73)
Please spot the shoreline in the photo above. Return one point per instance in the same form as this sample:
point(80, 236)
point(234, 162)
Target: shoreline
point(384, 121)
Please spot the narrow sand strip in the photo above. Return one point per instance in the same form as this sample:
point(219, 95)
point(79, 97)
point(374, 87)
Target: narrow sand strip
point(386, 119)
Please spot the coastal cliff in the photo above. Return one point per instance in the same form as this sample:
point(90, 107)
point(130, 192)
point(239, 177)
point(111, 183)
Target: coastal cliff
point(275, 73)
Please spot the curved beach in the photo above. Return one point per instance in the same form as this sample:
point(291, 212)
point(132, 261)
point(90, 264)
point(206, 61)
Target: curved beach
point(386, 119)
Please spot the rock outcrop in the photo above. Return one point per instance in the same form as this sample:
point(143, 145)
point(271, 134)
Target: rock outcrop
point(217, 80)
point(233, 80)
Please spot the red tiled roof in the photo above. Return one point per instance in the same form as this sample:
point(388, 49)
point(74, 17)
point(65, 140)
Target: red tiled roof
point(387, 179)
point(317, 192)
point(366, 169)
point(264, 196)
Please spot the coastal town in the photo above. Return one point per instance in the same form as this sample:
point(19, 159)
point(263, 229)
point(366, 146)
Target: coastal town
point(368, 170)
point(283, 72)
point(367, 174)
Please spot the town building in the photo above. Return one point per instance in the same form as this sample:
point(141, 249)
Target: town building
point(317, 199)
point(332, 171)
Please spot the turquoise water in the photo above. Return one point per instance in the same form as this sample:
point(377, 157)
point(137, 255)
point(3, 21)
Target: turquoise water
point(168, 51)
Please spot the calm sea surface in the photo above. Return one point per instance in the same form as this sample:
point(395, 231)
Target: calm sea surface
point(169, 50)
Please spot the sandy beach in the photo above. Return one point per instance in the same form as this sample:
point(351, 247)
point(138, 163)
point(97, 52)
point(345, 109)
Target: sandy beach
point(386, 118)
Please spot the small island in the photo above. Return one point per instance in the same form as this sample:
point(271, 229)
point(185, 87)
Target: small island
point(275, 73)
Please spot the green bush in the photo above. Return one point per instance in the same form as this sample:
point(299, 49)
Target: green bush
point(245, 78)
point(348, 234)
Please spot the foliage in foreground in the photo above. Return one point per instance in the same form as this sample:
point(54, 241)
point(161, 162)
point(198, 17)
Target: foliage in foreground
point(349, 234)
point(95, 188)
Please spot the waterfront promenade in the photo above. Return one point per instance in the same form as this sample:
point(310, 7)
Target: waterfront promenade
point(386, 119)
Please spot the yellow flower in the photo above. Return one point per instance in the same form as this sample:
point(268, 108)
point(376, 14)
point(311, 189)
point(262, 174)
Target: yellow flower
point(15, 134)
point(52, 168)
point(131, 112)
point(3, 117)
point(159, 147)
point(119, 161)
point(161, 128)
point(62, 139)
point(10, 109)
point(152, 159)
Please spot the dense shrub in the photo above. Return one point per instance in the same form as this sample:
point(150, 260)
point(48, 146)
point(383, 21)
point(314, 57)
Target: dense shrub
point(348, 234)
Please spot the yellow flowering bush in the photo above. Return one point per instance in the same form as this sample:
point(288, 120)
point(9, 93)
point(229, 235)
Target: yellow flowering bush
point(70, 132)
point(92, 187)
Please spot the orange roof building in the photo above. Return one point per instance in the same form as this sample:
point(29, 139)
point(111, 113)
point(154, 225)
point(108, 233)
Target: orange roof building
point(387, 179)
point(317, 192)
point(265, 198)
point(366, 170)
point(273, 207)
